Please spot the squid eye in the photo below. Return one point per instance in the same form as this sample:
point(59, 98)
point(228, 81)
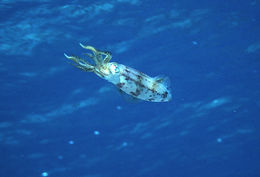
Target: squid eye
point(114, 68)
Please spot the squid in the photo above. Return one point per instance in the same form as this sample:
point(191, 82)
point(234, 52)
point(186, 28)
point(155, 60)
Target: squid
point(126, 79)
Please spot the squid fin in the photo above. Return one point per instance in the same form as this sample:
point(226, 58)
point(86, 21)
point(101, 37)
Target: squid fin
point(163, 80)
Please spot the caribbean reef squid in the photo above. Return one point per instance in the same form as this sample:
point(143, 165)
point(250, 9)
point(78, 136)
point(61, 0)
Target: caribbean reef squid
point(126, 79)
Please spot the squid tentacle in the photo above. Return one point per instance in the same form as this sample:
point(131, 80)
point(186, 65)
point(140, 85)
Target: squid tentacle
point(80, 63)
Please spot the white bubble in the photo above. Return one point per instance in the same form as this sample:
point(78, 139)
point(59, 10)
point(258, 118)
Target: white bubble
point(219, 140)
point(118, 107)
point(194, 42)
point(96, 132)
point(124, 144)
point(45, 174)
point(71, 142)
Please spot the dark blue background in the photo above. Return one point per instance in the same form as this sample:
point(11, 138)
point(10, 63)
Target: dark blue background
point(59, 120)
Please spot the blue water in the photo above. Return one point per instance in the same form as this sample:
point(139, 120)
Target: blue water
point(58, 121)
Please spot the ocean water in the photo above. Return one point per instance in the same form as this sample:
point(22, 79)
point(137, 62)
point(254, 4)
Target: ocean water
point(58, 121)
